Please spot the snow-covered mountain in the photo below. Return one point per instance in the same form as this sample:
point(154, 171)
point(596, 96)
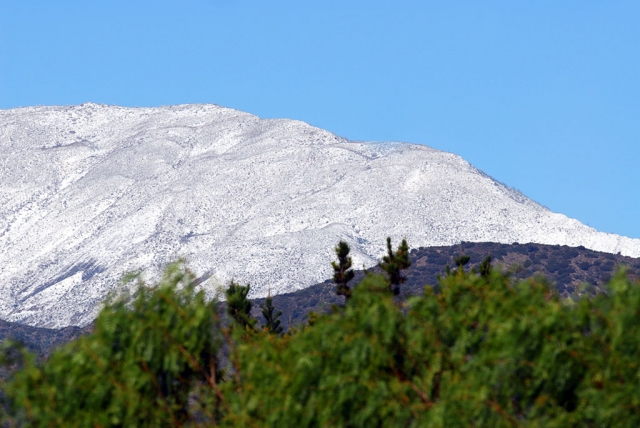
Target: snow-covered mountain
point(92, 191)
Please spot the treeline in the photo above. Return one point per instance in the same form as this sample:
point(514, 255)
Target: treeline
point(583, 272)
point(479, 348)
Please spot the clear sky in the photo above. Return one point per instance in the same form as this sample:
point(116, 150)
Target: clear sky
point(542, 95)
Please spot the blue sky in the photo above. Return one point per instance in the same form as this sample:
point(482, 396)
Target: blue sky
point(542, 95)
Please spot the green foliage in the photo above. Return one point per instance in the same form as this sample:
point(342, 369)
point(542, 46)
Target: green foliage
point(136, 369)
point(239, 306)
point(394, 262)
point(484, 351)
point(461, 261)
point(342, 270)
point(271, 316)
point(485, 267)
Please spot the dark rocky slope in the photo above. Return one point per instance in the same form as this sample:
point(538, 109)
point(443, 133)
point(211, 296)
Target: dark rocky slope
point(567, 268)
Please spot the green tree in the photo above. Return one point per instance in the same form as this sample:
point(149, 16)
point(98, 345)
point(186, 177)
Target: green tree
point(485, 267)
point(239, 306)
point(487, 350)
point(271, 317)
point(137, 368)
point(461, 261)
point(393, 264)
point(342, 270)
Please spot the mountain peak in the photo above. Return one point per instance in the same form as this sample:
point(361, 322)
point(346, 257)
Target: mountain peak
point(90, 192)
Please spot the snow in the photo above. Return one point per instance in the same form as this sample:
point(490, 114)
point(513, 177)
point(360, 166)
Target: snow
point(90, 192)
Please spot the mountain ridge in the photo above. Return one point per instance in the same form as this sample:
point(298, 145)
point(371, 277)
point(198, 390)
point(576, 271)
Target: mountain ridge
point(572, 272)
point(90, 192)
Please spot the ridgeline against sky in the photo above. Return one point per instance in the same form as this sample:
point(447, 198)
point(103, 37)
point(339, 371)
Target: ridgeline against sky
point(541, 95)
point(90, 192)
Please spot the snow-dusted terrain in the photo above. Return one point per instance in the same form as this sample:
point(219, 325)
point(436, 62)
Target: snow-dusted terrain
point(90, 192)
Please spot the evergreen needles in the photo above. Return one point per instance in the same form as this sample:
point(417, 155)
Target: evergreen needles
point(271, 316)
point(342, 270)
point(394, 262)
point(484, 350)
point(239, 306)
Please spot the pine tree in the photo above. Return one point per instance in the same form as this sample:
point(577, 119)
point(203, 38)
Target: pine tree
point(342, 270)
point(272, 318)
point(462, 261)
point(393, 263)
point(485, 267)
point(138, 367)
point(486, 351)
point(239, 306)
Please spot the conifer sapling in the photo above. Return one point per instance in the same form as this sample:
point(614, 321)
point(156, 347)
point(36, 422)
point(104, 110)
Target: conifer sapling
point(485, 267)
point(239, 306)
point(271, 317)
point(393, 263)
point(342, 270)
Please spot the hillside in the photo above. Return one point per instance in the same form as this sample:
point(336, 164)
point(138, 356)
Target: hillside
point(90, 192)
point(568, 268)
point(573, 272)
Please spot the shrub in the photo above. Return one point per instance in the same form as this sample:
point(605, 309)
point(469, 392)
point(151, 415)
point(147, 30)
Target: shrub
point(484, 351)
point(137, 368)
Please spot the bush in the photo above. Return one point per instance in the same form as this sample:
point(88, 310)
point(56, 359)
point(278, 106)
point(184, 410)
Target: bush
point(137, 368)
point(485, 351)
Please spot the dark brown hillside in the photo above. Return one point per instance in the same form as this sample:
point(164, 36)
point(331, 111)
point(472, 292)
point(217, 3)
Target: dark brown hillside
point(566, 267)
point(40, 340)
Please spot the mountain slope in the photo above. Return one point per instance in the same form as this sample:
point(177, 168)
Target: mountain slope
point(571, 271)
point(90, 192)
